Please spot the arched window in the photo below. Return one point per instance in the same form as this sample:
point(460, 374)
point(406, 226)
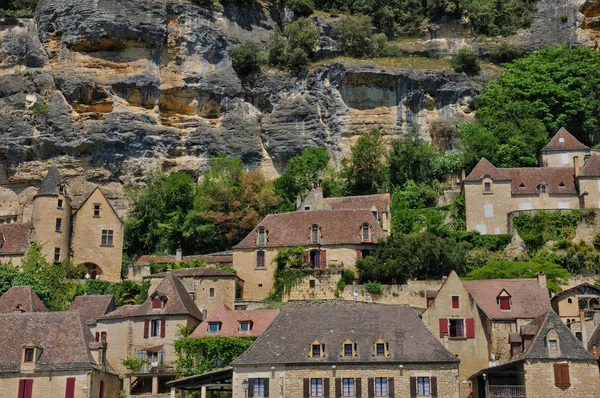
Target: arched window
point(570, 300)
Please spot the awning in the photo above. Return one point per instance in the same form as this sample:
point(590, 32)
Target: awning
point(221, 377)
point(156, 348)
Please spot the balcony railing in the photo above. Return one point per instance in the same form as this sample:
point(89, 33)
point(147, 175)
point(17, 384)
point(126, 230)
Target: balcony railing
point(506, 392)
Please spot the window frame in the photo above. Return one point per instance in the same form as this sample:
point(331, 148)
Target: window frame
point(351, 347)
point(501, 301)
point(377, 346)
point(248, 324)
point(211, 324)
point(211, 292)
point(553, 345)
point(57, 254)
point(259, 387)
point(365, 232)
point(97, 210)
point(381, 387)
point(58, 225)
point(25, 356)
point(315, 350)
point(155, 328)
point(423, 386)
point(260, 259)
point(455, 302)
point(316, 387)
point(262, 236)
point(487, 186)
point(59, 204)
point(315, 233)
point(348, 387)
point(462, 328)
point(107, 237)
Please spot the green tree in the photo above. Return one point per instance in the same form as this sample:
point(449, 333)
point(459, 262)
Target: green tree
point(278, 50)
point(466, 61)
point(365, 170)
point(301, 8)
point(354, 35)
point(245, 58)
point(411, 158)
point(302, 34)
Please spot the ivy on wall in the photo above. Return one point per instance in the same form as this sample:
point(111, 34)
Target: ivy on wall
point(544, 226)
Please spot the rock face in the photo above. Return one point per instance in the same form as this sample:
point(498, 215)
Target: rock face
point(109, 89)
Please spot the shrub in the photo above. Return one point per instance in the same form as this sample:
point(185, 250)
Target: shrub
point(466, 61)
point(505, 52)
point(597, 242)
point(245, 58)
point(277, 49)
point(354, 35)
point(373, 287)
point(302, 34)
point(301, 8)
point(348, 276)
point(40, 109)
point(298, 59)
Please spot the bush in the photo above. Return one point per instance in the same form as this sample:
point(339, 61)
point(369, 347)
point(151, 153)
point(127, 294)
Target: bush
point(597, 242)
point(348, 276)
point(302, 34)
point(245, 58)
point(354, 35)
point(505, 52)
point(301, 8)
point(278, 50)
point(41, 109)
point(373, 287)
point(466, 61)
point(298, 59)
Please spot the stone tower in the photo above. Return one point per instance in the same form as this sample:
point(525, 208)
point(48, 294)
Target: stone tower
point(51, 219)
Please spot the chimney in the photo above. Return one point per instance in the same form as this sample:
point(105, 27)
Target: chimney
point(298, 201)
point(583, 331)
point(179, 252)
point(318, 192)
point(541, 277)
point(576, 165)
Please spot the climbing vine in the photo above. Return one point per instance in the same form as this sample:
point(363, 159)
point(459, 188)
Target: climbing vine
point(288, 272)
point(543, 226)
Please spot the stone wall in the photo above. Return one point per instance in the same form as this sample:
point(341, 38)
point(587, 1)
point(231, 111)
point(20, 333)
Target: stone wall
point(539, 380)
point(45, 214)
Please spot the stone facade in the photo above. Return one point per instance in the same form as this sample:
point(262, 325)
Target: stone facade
point(45, 228)
point(539, 380)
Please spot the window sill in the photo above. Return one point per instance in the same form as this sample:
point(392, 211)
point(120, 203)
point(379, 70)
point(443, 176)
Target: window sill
point(260, 268)
point(60, 232)
point(488, 193)
point(457, 338)
point(96, 216)
point(107, 245)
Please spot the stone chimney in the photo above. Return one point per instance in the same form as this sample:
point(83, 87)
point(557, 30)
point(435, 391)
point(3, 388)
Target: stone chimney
point(178, 253)
point(541, 277)
point(298, 201)
point(584, 339)
point(576, 165)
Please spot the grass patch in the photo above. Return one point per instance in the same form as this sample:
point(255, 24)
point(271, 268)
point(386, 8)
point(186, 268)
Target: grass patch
point(410, 62)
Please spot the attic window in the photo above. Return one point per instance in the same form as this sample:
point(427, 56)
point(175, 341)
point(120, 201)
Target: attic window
point(521, 185)
point(561, 140)
point(96, 210)
point(504, 303)
point(61, 189)
point(317, 350)
point(245, 326)
point(348, 349)
point(381, 348)
point(487, 186)
point(314, 236)
point(29, 355)
point(365, 228)
point(562, 184)
point(158, 302)
point(542, 188)
point(214, 327)
point(553, 344)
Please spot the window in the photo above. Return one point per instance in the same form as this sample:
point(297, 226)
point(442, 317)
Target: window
point(25, 388)
point(481, 228)
point(542, 188)
point(316, 350)
point(155, 327)
point(504, 303)
point(488, 210)
point(315, 259)
point(553, 345)
point(315, 234)
point(316, 387)
point(561, 140)
point(307, 208)
point(211, 292)
point(260, 259)
point(365, 233)
point(455, 301)
point(96, 210)
point(57, 254)
point(348, 350)
point(312, 283)
point(375, 214)
point(58, 224)
point(214, 327)
point(28, 355)
point(564, 205)
point(59, 204)
point(348, 387)
point(423, 388)
point(561, 375)
point(157, 302)
point(380, 349)
point(61, 189)
point(245, 326)
point(487, 187)
point(457, 328)
point(570, 300)
point(564, 158)
point(259, 387)
point(261, 237)
point(381, 387)
point(70, 390)
point(102, 336)
point(107, 237)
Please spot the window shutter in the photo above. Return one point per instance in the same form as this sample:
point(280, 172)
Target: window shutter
point(358, 387)
point(21, 389)
point(565, 375)
point(370, 387)
point(391, 391)
point(413, 387)
point(306, 257)
point(561, 375)
point(338, 387)
point(146, 327)
point(443, 326)
point(358, 253)
point(163, 326)
point(470, 328)
point(250, 388)
point(323, 259)
point(266, 387)
point(28, 388)
point(101, 395)
point(326, 387)
point(97, 336)
point(306, 388)
point(434, 393)
point(70, 393)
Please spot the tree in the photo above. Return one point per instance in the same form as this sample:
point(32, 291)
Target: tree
point(303, 34)
point(301, 8)
point(354, 35)
point(245, 58)
point(365, 170)
point(466, 61)
point(411, 158)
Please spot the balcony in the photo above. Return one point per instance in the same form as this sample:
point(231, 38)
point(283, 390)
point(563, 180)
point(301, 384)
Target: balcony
point(506, 392)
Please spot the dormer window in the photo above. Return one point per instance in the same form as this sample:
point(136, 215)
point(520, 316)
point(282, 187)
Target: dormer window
point(315, 234)
point(61, 189)
point(317, 350)
point(214, 327)
point(562, 184)
point(542, 188)
point(381, 349)
point(348, 349)
point(553, 345)
point(29, 355)
point(487, 187)
point(158, 301)
point(521, 185)
point(262, 237)
point(366, 232)
point(245, 326)
point(503, 300)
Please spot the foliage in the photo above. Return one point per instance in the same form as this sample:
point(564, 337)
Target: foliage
point(597, 241)
point(301, 8)
point(373, 287)
point(505, 52)
point(458, 213)
point(245, 58)
point(278, 50)
point(199, 355)
point(410, 159)
point(134, 364)
point(545, 226)
point(40, 109)
point(493, 17)
point(288, 272)
point(130, 292)
point(466, 61)
point(156, 268)
point(506, 269)
point(354, 35)
point(348, 276)
point(302, 34)
point(17, 8)
point(97, 287)
point(365, 169)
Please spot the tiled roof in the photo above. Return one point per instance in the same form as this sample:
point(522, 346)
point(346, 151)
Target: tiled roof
point(200, 272)
point(289, 338)
point(293, 229)
point(528, 298)
point(569, 142)
point(594, 341)
point(587, 286)
point(14, 238)
point(92, 307)
point(525, 180)
point(230, 322)
point(124, 311)
point(51, 182)
point(23, 297)
point(63, 337)
point(591, 168)
point(178, 302)
point(75, 209)
point(363, 202)
point(485, 169)
point(570, 347)
point(225, 258)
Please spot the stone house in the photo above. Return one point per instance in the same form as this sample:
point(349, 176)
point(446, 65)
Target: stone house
point(91, 308)
point(208, 287)
point(89, 235)
point(547, 361)
point(473, 319)
point(148, 332)
point(330, 238)
point(52, 354)
point(21, 299)
point(14, 241)
point(351, 351)
point(568, 178)
point(579, 308)
point(225, 322)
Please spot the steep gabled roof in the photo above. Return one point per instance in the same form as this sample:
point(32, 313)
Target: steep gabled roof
point(124, 311)
point(230, 322)
point(77, 208)
point(51, 182)
point(583, 288)
point(92, 307)
point(570, 347)
point(486, 169)
point(22, 297)
point(528, 298)
point(525, 180)
point(290, 336)
point(568, 142)
point(293, 229)
point(14, 238)
point(591, 168)
point(63, 337)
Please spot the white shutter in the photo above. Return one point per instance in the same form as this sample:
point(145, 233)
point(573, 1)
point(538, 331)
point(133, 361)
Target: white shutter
point(488, 210)
point(598, 185)
point(563, 205)
point(525, 206)
point(565, 158)
point(497, 230)
point(481, 228)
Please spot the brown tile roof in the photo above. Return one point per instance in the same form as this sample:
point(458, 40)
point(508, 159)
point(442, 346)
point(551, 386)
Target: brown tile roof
point(570, 142)
point(531, 177)
point(485, 169)
point(289, 338)
point(199, 272)
point(364, 202)
point(23, 296)
point(92, 307)
point(594, 341)
point(124, 311)
point(292, 229)
point(208, 258)
point(230, 322)
point(591, 168)
point(63, 337)
point(14, 238)
point(528, 298)
point(178, 302)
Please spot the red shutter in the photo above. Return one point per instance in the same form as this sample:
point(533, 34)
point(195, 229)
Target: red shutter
point(455, 302)
point(146, 327)
point(505, 303)
point(70, 393)
point(306, 257)
point(391, 389)
point(470, 328)
point(28, 388)
point(306, 383)
point(163, 326)
point(101, 395)
point(358, 387)
point(326, 387)
point(443, 326)
point(22, 388)
point(358, 253)
point(97, 336)
point(323, 259)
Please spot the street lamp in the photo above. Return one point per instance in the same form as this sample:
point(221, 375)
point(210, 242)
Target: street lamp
point(245, 386)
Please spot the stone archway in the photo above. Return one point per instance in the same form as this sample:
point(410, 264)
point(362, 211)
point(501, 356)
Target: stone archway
point(94, 270)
